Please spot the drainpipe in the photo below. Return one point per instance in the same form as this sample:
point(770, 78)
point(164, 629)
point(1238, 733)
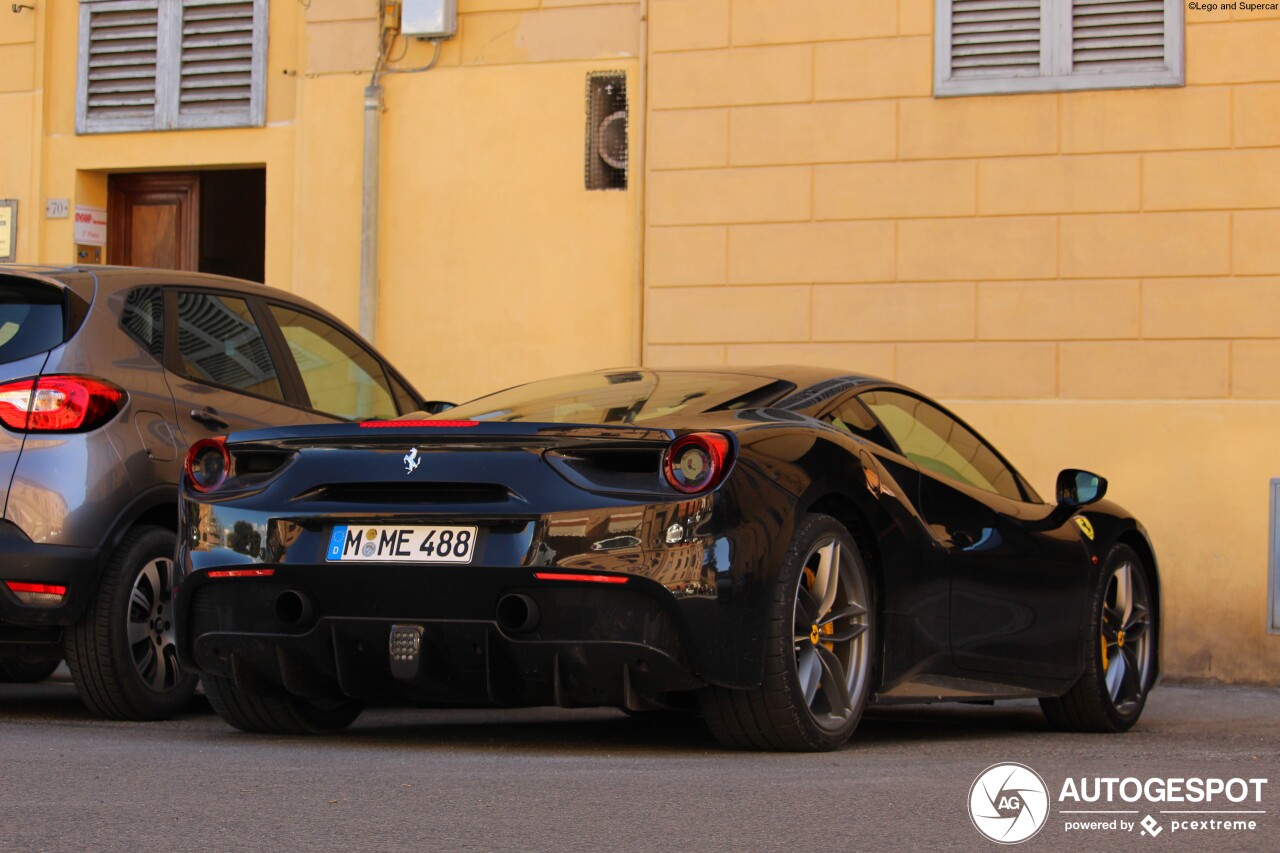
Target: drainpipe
point(369, 212)
point(640, 108)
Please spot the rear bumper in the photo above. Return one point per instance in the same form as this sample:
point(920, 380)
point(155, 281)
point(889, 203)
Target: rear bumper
point(324, 632)
point(23, 560)
point(698, 572)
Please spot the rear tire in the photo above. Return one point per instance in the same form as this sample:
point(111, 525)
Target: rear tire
point(1118, 675)
point(122, 654)
point(279, 715)
point(29, 667)
point(819, 651)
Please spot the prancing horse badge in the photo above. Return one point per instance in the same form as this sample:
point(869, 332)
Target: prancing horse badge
point(411, 461)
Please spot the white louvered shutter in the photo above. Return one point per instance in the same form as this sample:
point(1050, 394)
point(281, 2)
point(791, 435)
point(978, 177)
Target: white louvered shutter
point(995, 37)
point(120, 54)
point(165, 64)
point(1117, 35)
point(1000, 46)
point(216, 61)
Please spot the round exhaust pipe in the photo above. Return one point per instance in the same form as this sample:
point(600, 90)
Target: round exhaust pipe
point(517, 613)
point(293, 608)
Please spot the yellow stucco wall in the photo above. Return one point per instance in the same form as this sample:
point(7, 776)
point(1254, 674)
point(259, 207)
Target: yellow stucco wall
point(487, 231)
point(1089, 277)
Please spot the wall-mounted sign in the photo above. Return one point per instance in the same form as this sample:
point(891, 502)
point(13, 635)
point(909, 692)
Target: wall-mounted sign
point(91, 225)
point(8, 230)
point(57, 208)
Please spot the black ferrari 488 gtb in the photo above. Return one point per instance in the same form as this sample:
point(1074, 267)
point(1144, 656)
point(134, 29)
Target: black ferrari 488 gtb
point(775, 548)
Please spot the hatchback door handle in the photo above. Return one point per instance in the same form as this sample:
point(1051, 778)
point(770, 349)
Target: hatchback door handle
point(209, 417)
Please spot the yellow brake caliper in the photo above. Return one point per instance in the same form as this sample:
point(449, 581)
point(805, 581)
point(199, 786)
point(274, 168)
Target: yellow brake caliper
point(810, 578)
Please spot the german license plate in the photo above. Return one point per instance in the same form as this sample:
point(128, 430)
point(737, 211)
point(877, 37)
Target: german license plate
point(403, 544)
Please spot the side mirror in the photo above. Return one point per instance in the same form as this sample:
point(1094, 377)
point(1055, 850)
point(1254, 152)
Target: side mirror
point(435, 407)
point(1080, 488)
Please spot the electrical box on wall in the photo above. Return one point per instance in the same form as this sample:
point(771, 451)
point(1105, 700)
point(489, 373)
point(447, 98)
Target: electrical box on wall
point(429, 19)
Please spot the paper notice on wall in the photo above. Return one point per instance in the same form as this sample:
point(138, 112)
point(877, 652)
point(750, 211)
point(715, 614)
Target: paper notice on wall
point(91, 226)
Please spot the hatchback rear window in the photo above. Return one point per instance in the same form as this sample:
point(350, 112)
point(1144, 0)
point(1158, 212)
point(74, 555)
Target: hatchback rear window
point(32, 319)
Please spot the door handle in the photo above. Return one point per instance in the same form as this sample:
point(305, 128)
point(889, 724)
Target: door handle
point(209, 417)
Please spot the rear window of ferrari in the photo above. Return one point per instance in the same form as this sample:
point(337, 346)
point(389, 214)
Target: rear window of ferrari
point(622, 397)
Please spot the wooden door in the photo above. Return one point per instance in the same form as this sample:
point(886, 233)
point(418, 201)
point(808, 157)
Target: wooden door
point(153, 220)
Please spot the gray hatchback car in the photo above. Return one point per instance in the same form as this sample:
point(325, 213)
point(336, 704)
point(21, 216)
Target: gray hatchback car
point(107, 375)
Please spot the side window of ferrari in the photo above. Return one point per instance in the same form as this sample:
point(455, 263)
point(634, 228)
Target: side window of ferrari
point(852, 417)
point(937, 442)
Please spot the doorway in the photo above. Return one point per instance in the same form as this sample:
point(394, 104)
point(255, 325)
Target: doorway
point(208, 221)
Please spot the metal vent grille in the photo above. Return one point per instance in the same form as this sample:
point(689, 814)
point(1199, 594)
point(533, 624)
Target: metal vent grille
point(995, 37)
point(1117, 35)
point(607, 131)
point(217, 58)
point(123, 45)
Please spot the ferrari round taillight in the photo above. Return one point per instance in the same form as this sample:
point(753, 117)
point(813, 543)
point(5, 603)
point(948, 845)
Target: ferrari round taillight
point(208, 464)
point(696, 462)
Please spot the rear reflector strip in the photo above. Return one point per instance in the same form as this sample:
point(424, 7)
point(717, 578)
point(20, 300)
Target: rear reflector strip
point(241, 573)
point(436, 424)
point(556, 576)
point(43, 588)
point(38, 594)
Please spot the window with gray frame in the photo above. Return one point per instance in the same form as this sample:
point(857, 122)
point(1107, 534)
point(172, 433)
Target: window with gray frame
point(985, 47)
point(1273, 623)
point(171, 64)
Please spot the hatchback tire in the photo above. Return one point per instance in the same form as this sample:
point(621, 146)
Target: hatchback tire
point(29, 667)
point(122, 654)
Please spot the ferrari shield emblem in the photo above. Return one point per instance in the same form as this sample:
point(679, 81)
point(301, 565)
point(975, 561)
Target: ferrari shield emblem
point(1085, 527)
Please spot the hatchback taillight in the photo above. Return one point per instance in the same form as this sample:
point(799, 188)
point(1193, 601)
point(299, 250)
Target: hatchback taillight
point(59, 403)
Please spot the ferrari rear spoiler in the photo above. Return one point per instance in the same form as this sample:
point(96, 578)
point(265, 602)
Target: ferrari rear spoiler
point(399, 431)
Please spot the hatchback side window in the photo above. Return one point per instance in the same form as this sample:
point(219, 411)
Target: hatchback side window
point(219, 342)
point(937, 442)
point(342, 378)
point(143, 318)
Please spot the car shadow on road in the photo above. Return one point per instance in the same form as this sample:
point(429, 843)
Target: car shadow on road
point(571, 731)
point(591, 731)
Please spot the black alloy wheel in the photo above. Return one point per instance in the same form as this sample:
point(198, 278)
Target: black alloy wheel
point(819, 651)
point(1119, 671)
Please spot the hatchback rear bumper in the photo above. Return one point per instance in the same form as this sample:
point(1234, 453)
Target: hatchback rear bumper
point(24, 561)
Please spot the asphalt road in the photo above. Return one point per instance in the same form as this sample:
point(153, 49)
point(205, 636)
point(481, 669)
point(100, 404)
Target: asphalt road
point(554, 780)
